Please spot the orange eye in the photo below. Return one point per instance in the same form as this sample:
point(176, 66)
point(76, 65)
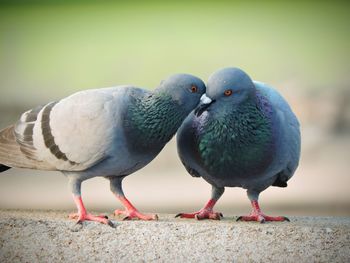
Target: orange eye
point(194, 89)
point(228, 92)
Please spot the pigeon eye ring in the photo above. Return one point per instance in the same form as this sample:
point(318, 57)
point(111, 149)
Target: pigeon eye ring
point(228, 92)
point(194, 89)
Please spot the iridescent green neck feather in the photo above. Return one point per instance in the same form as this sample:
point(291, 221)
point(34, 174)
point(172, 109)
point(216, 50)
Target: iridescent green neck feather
point(153, 120)
point(237, 141)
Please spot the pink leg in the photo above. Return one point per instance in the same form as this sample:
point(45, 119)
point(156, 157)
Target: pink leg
point(131, 212)
point(82, 215)
point(257, 215)
point(205, 213)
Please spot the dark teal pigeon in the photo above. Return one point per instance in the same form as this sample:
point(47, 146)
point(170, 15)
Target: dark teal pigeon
point(110, 132)
point(242, 134)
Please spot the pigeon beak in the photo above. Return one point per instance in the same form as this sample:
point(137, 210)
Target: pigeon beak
point(205, 102)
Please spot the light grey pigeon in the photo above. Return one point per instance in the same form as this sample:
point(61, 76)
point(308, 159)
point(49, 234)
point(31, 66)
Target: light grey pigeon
point(242, 134)
point(109, 132)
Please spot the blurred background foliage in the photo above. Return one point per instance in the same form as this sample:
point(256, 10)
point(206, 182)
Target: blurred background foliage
point(50, 49)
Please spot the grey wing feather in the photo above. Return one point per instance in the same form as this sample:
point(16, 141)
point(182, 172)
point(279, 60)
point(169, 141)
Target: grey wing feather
point(23, 131)
point(12, 153)
point(73, 134)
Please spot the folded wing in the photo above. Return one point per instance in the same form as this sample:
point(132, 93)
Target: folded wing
point(72, 134)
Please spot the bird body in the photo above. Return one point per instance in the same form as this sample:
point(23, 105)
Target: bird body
point(240, 146)
point(251, 140)
point(110, 132)
point(66, 135)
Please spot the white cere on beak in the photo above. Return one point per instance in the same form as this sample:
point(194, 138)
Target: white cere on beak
point(205, 99)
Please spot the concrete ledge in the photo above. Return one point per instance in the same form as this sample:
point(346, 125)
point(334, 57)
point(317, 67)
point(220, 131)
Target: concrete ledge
point(47, 236)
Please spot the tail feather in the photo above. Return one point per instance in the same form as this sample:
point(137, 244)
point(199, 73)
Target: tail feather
point(11, 154)
point(4, 168)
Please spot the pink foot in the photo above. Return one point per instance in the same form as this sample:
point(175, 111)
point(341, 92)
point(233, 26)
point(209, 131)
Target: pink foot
point(205, 213)
point(134, 214)
point(202, 214)
point(258, 216)
point(262, 218)
point(82, 215)
point(131, 212)
point(89, 217)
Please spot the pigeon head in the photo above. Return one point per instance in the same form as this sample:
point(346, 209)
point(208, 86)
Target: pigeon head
point(228, 86)
point(184, 89)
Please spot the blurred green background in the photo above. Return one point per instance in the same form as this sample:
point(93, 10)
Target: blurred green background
point(50, 49)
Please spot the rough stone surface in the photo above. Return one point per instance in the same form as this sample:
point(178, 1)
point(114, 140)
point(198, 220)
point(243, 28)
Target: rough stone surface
point(48, 236)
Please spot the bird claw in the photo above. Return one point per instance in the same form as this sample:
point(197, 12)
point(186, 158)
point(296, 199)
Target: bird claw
point(111, 224)
point(211, 215)
point(262, 218)
point(135, 215)
point(89, 217)
point(202, 214)
point(126, 218)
